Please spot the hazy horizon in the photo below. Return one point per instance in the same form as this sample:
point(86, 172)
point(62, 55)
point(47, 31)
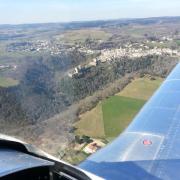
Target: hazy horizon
point(60, 11)
point(84, 21)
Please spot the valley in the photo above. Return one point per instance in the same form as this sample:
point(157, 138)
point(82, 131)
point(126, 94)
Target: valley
point(82, 81)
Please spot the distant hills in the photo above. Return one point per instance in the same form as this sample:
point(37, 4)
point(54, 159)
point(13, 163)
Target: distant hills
point(97, 23)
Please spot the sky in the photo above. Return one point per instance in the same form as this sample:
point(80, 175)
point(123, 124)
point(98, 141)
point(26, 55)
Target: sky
point(43, 11)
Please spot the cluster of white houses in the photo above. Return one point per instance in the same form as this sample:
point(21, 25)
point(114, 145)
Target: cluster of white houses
point(108, 55)
point(111, 55)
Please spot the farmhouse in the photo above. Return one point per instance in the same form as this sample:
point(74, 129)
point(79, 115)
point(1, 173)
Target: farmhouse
point(93, 146)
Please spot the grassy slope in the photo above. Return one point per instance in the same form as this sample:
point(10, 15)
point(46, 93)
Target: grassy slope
point(141, 88)
point(7, 82)
point(110, 117)
point(91, 123)
point(118, 112)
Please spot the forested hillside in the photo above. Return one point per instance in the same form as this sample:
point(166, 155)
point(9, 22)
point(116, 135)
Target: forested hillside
point(52, 73)
point(40, 95)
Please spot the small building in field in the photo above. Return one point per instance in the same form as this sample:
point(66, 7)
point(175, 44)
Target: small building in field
point(93, 146)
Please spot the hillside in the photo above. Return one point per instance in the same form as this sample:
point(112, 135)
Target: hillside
point(52, 74)
point(111, 116)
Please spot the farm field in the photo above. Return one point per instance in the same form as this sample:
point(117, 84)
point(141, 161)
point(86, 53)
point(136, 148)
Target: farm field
point(82, 35)
point(141, 88)
point(118, 111)
point(91, 123)
point(7, 82)
point(111, 116)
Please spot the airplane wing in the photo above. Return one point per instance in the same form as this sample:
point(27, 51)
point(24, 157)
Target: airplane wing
point(150, 147)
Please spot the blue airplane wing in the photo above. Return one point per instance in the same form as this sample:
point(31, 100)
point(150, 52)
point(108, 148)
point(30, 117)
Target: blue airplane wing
point(150, 147)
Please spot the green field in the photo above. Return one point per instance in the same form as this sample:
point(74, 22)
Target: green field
point(7, 82)
point(178, 42)
point(111, 116)
point(141, 88)
point(118, 112)
point(82, 35)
